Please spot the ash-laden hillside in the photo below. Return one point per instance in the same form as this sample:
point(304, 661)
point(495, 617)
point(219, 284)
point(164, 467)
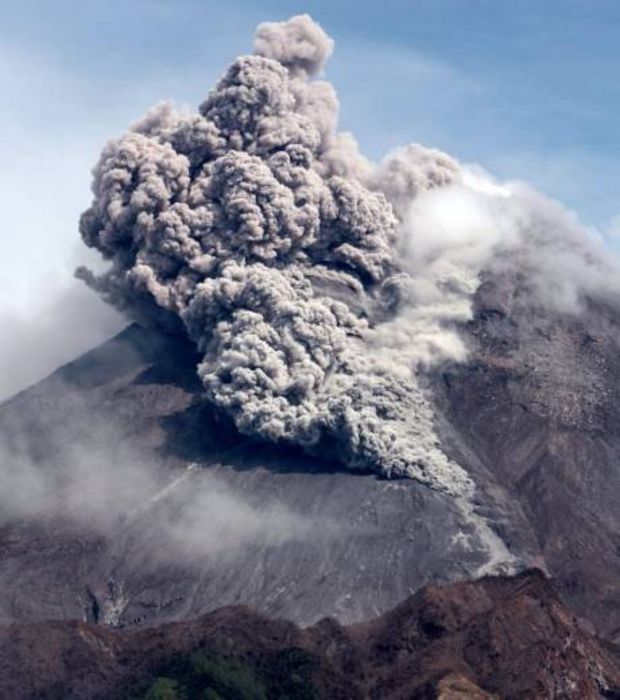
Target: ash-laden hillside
point(147, 507)
point(137, 537)
point(497, 637)
point(534, 415)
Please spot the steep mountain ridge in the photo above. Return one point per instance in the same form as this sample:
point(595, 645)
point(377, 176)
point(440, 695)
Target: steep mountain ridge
point(496, 637)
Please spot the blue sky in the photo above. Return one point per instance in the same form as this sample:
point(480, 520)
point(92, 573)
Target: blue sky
point(527, 88)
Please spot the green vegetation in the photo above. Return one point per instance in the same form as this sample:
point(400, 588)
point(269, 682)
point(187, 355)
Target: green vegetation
point(164, 689)
point(207, 676)
point(291, 675)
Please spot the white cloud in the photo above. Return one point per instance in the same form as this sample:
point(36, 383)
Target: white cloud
point(54, 123)
point(66, 320)
point(580, 179)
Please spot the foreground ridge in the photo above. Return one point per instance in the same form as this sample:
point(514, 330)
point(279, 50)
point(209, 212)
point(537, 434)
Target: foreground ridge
point(503, 637)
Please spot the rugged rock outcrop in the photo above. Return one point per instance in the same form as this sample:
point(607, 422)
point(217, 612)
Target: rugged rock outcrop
point(496, 637)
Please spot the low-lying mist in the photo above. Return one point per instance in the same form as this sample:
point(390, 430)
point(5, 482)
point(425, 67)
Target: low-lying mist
point(101, 485)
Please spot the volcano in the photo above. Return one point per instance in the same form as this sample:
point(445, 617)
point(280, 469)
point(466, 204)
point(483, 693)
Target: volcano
point(343, 385)
point(532, 415)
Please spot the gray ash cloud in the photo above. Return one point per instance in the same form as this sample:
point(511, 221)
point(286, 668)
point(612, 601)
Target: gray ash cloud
point(315, 284)
point(260, 230)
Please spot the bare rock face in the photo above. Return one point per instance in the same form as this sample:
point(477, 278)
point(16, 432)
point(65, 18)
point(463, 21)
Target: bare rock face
point(509, 637)
point(496, 637)
point(537, 405)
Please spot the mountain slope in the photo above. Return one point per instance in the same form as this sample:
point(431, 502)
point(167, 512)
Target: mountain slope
point(532, 416)
point(538, 406)
point(310, 539)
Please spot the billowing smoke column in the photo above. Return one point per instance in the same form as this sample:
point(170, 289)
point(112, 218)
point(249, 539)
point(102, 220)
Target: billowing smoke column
point(261, 232)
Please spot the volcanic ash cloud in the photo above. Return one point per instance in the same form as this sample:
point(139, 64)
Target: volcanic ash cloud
point(260, 231)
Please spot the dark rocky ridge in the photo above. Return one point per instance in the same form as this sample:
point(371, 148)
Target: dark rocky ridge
point(496, 637)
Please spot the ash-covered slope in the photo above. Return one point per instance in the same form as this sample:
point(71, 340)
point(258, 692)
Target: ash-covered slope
point(114, 527)
point(538, 406)
point(497, 637)
point(532, 416)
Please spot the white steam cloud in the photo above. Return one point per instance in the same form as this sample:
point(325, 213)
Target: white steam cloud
point(316, 285)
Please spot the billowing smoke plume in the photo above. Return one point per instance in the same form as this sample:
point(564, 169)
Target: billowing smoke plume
point(297, 267)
